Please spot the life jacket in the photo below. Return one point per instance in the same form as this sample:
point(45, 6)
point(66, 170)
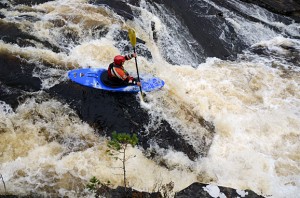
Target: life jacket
point(117, 73)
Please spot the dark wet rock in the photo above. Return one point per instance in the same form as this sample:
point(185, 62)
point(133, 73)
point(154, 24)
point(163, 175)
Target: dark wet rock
point(119, 192)
point(17, 73)
point(29, 2)
point(120, 112)
point(206, 26)
point(134, 2)
point(16, 79)
point(10, 95)
point(292, 55)
point(11, 33)
point(198, 190)
point(119, 7)
point(99, 31)
point(28, 18)
point(2, 16)
point(234, 8)
point(105, 111)
point(194, 190)
point(289, 8)
point(125, 47)
point(3, 5)
point(68, 36)
point(277, 17)
point(123, 35)
point(165, 137)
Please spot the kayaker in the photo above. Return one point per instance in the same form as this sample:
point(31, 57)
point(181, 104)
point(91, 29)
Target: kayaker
point(118, 74)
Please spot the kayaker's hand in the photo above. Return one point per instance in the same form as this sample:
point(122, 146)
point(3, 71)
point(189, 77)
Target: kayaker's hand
point(133, 55)
point(138, 84)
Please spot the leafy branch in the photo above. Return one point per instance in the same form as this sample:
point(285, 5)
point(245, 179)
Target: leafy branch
point(96, 186)
point(119, 143)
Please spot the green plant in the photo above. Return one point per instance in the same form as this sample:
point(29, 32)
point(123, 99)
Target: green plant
point(98, 187)
point(93, 184)
point(119, 143)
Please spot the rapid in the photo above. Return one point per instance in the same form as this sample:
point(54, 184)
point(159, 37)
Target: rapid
point(235, 121)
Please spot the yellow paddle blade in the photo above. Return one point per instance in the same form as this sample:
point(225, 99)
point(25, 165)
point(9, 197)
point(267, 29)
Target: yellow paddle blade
point(132, 37)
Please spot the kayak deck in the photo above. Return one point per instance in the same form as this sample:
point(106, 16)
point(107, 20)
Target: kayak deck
point(97, 78)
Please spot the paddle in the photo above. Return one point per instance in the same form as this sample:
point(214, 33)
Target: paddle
point(132, 38)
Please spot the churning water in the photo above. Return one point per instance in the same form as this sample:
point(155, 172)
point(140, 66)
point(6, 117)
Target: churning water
point(239, 119)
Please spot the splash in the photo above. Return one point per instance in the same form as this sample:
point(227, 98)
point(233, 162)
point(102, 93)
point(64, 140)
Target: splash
point(47, 148)
point(242, 117)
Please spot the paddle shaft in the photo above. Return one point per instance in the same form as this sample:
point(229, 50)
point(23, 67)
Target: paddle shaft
point(137, 71)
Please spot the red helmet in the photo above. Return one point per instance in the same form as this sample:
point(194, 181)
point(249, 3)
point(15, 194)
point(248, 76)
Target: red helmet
point(118, 60)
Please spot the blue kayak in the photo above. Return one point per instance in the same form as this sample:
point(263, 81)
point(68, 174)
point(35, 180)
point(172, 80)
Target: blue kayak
point(97, 78)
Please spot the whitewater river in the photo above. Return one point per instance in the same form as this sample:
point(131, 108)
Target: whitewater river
point(229, 113)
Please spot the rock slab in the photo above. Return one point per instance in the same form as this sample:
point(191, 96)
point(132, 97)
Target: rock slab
point(208, 191)
point(289, 8)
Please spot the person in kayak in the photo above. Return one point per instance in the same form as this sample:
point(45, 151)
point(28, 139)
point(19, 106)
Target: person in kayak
point(118, 74)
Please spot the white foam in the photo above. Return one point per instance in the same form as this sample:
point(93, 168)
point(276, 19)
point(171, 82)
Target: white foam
point(241, 193)
point(58, 145)
point(212, 190)
point(275, 44)
point(254, 108)
point(5, 108)
point(96, 53)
